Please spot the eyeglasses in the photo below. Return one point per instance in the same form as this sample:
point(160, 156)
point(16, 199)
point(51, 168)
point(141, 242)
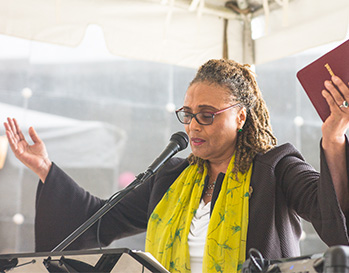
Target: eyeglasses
point(203, 118)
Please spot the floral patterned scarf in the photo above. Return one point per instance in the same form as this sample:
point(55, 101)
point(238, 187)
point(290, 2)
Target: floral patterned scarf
point(169, 224)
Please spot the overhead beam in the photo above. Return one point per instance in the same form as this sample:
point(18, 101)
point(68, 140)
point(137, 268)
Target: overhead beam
point(248, 43)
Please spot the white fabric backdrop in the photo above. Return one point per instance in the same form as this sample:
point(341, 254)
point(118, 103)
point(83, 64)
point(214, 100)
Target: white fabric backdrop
point(173, 32)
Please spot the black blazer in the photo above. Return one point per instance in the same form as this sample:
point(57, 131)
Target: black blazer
point(284, 186)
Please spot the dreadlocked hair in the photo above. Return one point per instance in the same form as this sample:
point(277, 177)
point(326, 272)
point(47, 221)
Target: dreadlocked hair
point(239, 80)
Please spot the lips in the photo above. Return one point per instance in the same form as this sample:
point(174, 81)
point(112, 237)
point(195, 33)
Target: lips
point(197, 141)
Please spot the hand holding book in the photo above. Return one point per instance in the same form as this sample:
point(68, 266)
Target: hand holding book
point(313, 76)
point(326, 83)
point(336, 94)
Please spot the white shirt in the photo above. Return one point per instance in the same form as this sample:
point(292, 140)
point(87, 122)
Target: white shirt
point(197, 236)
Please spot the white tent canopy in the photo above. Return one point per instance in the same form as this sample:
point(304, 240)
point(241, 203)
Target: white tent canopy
point(183, 32)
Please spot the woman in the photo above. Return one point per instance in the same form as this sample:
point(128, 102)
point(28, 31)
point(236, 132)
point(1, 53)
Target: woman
point(236, 191)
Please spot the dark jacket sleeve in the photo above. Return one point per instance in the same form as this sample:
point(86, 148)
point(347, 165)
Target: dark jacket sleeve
point(312, 196)
point(62, 206)
point(59, 210)
point(286, 188)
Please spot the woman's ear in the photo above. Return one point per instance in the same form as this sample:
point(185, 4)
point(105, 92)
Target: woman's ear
point(242, 116)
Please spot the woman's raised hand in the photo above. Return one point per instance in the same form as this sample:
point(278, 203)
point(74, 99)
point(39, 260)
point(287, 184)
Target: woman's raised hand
point(33, 156)
point(337, 97)
point(333, 137)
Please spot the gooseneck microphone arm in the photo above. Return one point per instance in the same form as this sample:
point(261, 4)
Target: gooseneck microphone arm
point(178, 142)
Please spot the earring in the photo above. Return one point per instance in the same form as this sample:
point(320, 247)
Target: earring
point(240, 130)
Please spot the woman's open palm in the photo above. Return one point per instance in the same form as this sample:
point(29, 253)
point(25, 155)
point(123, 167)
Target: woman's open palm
point(33, 156)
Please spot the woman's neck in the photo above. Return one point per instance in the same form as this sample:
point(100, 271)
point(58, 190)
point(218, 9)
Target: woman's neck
point(215, 169)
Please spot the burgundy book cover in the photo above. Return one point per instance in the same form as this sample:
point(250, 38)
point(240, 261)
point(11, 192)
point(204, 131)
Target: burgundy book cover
point(313, 76)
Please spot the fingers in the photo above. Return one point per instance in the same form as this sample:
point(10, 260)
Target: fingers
point(341, 85)
point(330, 101)
point(33, 135)
point(13, 127)
point(10, 135)
point(18, 130)
point(338, 90)
point(14, 133)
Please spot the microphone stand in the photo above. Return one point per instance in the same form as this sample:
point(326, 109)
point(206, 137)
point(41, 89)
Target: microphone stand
point(116, 198)
point(178, 142)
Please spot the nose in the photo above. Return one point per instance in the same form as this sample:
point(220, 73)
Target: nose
point(194, 125)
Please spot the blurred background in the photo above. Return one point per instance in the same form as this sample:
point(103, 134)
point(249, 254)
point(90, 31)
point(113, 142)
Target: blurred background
point(100, 80)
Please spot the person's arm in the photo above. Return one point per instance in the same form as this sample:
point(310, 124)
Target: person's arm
point(311, 194)
point(333, 137)
point(62, 205)
point(34, 156)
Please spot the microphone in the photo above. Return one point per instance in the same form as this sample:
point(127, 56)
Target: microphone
point(178, 142)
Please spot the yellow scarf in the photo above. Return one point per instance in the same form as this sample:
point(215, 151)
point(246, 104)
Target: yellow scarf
point(169, 224)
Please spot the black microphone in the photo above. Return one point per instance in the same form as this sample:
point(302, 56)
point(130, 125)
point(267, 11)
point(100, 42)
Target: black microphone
point(178, 142)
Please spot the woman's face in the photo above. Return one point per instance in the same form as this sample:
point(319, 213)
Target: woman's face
point(215, 142)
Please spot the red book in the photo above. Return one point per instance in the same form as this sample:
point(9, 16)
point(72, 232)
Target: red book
point(313, 76)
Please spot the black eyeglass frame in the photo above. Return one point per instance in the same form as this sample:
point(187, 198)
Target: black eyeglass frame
point(211, 113)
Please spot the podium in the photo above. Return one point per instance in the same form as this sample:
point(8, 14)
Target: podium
point(104, 261)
